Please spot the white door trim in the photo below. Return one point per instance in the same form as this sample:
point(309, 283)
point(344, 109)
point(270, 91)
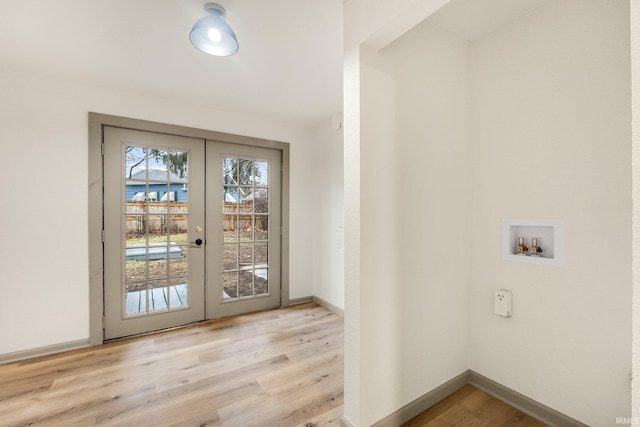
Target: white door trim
point(95, 198)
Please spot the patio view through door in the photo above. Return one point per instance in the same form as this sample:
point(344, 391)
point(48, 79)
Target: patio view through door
point(166, 262)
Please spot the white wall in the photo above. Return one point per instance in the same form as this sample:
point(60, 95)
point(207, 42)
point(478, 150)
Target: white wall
point(415, 218)
point(635, 67)
point(43, 210)
point(551, 139)
point(352, 312)
point(363, 20)
point(550, 131)
point(328, 213)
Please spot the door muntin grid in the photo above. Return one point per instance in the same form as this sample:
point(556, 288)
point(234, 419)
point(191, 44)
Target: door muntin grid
point(246, 220)
point(155, 273)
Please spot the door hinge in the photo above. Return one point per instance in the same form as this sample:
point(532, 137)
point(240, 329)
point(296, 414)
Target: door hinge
point(102, 148)
point(281, 167)
point(103, 323)
point(102, 236)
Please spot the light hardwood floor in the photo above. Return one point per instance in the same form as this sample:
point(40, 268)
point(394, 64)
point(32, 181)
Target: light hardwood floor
point(276, 368)
point(471, 407)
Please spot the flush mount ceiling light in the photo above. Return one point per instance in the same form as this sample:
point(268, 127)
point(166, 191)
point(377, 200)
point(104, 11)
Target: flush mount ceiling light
point(211, 33)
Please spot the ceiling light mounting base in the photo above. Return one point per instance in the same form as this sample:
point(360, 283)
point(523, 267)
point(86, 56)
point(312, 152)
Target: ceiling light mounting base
point(212, 8)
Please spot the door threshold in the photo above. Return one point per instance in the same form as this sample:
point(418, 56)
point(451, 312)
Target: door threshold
point(156, 332)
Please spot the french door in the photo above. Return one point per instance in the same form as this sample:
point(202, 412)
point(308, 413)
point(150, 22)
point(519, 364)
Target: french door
point(153, 221)
point(166, 261)
point(244, 263)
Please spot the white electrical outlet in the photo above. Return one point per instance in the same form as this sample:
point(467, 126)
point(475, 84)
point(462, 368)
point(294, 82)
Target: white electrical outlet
point(502, 303)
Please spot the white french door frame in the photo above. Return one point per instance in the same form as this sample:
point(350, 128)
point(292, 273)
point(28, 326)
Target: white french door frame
point(97, 122)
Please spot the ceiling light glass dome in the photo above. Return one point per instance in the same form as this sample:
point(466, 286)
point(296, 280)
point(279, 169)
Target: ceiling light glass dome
point(211, 34)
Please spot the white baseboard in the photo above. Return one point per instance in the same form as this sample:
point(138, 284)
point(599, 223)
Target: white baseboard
point(521, 402)
point(42, 351)
point(298, 301)
point(424, 402)
point(524, 404)
point(329, 306)
point(344, 422)
point(324, 303)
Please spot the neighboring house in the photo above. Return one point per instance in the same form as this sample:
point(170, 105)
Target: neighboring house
point(160, 188)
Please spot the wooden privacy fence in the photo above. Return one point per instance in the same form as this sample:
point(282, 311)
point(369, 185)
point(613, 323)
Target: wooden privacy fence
point(171, 217)
point(231, 222)
point(161, 218)
point(240, 216)
point(243, 222)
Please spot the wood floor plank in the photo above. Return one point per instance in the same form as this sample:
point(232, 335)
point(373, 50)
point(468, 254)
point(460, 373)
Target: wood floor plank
point(275, 368)
point(474, 408)
point(203, 374)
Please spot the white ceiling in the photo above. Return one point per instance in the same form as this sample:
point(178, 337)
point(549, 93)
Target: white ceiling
point(472, 19)
point(288, 68)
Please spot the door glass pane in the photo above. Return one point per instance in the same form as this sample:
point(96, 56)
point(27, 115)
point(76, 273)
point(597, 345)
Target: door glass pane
point(178, 197)
point(157, 267)
point(136, 298)
point(135, 164)
point(246, 255)
point(262, 173)
point(246, 172)
point(177, 229)
point(135, 269)
point(246, 228)
point(246, 199)
point(230, 171)
point(245, 283)
point(230, 285)
point(230, 200)
point(178, 260)
point(156, 224)
point(230, 228)
point(178, 167)
point(157, 166)
point(178, 292)
point(157, 295)
point(261, 253)
point(230, 257)
point(262, 227)
point(261, 200)
point(261, 281)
